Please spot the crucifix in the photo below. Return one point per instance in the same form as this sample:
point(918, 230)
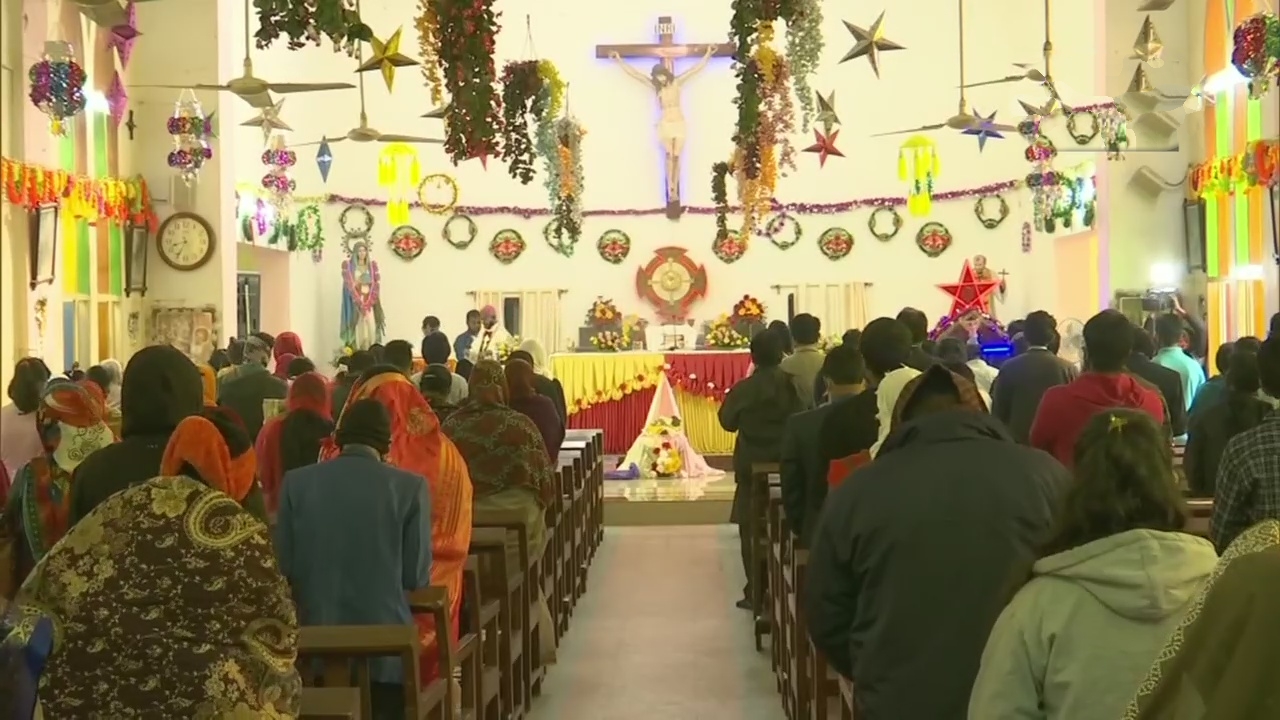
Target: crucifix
point(666, 84)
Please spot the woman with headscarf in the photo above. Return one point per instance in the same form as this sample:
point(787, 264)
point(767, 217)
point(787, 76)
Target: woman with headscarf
point(214, 448)
point(524, 399)
point(282, 365)
point(19, 441)
point(116, 373)
point(418, 446)
point(287, 343)
point(1221, 662)
point(294, 439)
point(161, 386)
point(532, 352)
point(509, 465)
point(71, 425)
point(167, 600)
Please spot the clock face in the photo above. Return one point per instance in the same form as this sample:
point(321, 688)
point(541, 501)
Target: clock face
point(185, 241)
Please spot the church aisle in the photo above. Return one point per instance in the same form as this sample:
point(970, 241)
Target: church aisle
point(657, 634)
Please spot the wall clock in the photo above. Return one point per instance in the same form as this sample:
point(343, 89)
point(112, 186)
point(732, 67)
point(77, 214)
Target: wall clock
point(185, 241)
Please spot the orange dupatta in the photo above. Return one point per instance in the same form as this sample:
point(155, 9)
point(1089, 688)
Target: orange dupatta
point(418, 445)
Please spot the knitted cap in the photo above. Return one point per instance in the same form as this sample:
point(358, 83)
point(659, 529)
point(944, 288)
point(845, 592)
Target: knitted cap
point(365, 422)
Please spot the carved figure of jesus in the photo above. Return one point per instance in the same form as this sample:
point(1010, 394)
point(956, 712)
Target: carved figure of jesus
point(671, 127)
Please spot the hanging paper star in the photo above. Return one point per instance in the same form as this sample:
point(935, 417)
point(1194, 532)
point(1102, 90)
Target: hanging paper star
point(1148, 47)
point(1040, 111)
point(986, 128)
point(870, 42)
point(827, 112)
point(824, 146)
point(117, 98)
point(439, 113)
point(970, 293)
point(324, 159)
point(121, 37)
point(386, 58)
point(269, 120)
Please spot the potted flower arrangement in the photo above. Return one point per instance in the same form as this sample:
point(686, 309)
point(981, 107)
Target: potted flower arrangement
point(506, 347)
point(611, 340)
point(748, 316)
point(604, 314)
point(720, 333)
point(663, 460)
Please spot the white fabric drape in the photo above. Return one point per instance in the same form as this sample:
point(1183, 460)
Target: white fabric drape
point(539, 314)
point(840, 306)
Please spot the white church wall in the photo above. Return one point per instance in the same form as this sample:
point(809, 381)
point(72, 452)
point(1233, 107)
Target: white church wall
point(622, 164)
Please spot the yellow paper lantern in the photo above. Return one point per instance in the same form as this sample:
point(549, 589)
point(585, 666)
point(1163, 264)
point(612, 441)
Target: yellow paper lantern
point(918, 164)
point(398, 172)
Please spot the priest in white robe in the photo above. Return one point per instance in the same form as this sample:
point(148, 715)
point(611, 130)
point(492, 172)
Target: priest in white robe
point(491, 336)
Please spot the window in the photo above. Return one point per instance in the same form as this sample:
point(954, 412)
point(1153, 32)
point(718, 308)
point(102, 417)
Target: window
point(511, 315)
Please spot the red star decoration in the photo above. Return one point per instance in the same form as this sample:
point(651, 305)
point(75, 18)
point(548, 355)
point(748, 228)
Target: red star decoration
point(483, 157)
point(970, 293)
point(824, 146)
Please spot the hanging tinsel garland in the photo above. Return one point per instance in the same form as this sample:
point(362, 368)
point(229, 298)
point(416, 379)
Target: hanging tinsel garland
point(474, 119)
point(304, 22)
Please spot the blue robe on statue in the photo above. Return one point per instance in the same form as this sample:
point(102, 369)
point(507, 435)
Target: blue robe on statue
point(361, 328)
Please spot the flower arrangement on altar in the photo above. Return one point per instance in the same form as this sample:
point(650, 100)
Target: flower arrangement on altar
point(720, 333)
point(662, 459)
point(612, 340)
point(603, 313)
point(830, 342)
point(664, 427)
point(747, 317)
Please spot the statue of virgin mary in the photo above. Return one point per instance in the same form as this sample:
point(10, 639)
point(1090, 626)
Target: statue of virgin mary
point(363, 322)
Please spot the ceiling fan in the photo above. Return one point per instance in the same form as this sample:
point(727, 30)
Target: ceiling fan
point(254, 90)
point(362, 133)
point(104, 13)
point(964, 119)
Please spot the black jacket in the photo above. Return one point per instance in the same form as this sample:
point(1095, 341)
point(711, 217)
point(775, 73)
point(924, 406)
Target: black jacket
point(804, 468)
point(920, 359)
point(1022, 382)
point(757, 408)
point(1169, 383)
point(850, 427)
point(1209, 433)
point(916, 555)
point(551, 389)
point(244, 395)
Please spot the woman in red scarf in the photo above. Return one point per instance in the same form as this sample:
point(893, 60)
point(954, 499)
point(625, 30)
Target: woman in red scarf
point(71, 421)
point(214, 448)
point(293, 440)
point(287, 343)
point(417, 445)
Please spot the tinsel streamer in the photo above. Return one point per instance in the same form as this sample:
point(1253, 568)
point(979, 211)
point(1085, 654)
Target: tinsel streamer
point(804, 53)
point(522, 98)
point(474, 121)
point(428, 25)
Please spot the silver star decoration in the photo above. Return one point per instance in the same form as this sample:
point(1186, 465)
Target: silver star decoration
point(827, 117)
point(870, 42)
point(984, 129)
point(1041, 111)
point(1148, 47)
point(269, 120)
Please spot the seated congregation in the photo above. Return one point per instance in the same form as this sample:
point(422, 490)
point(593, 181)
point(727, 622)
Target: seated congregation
point(255, 542)
point(916, 548)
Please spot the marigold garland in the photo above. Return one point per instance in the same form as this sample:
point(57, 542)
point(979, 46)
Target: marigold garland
point(561, 142)
point(522, 98)
point(428, 24)
point(474, 120)
point(116, 199)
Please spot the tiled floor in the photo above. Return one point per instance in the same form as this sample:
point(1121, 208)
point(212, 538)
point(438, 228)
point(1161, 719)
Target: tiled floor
point(657, 635)
point(715, 488)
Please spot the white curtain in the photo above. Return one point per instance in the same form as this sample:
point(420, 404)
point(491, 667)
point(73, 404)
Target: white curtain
point(539, 314)
point(840, 306)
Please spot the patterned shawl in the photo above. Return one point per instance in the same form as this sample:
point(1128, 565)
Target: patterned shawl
point(72, 424)
point(1220, 663)
point(166, 601)
point(503, 448)
point(417, 445)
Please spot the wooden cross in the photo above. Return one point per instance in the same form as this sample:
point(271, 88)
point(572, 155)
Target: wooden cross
point(666, 51)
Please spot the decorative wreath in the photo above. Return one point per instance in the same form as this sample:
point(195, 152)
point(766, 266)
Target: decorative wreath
point(836, 243)
point(407, 242)
point(980, 211)
point(729, 247)
point(776, 225)
point(355, 221)
point(562, 245)
point(308, 232)
point(438, 180)
point(506, 246)
point(614, 246)
point(447, 233)
point(1083, 138)
point(895, 220)
point(933, 239)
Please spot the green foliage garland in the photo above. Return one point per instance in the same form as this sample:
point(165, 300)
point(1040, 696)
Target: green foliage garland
point(720, 197)
point(474, 120)
point(804, 53)
point(306, 21)
point(522, 98)
point(308, 234)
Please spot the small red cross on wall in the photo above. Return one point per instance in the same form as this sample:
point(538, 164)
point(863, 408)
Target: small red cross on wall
point(970, 293)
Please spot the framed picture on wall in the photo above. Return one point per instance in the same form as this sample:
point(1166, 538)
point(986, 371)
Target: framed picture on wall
point(135, 260)
point(42, 243)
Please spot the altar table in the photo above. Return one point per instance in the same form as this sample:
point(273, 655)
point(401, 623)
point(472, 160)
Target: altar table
point(613, 391)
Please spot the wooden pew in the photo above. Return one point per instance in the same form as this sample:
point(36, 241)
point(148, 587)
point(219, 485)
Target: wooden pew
point(489, 548)
point(846, 698)
point(330, 704)
point(478, 648)
point(522, 587)
point(581, 512)
point(344, 651)
point(569, 538)
point(757, 522)
point(800, 666)
point(1200, 510)
point(594, 485)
